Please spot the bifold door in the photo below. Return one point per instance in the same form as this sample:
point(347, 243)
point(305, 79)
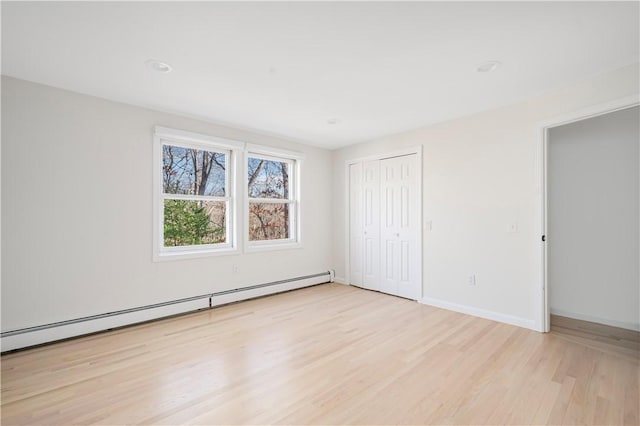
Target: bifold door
point(386, 245)
point(371, 225)
point(356, 232)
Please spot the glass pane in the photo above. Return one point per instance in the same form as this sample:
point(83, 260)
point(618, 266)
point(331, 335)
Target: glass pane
point(188, 223)
point(267, 178)
point(268, 221)
point(193, 171)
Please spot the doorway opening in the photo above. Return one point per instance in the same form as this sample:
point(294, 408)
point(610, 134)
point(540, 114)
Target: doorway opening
point(590, 223)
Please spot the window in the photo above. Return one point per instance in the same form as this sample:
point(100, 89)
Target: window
point(271, 200)
point(194, 183)
point(194, 204)
point(196, 210)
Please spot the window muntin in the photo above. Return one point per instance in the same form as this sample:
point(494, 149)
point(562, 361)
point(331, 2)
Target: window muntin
point(195, 201)
point(271, 199)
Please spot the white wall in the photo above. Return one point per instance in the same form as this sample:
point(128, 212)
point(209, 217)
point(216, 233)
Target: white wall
point(77, 205)
point(593, 194)
point(77, 210)
point(481, 174)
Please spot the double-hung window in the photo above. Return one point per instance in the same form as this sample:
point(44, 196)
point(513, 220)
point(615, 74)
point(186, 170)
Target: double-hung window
point(272, 201)
point(194, 206)
point(196, 211)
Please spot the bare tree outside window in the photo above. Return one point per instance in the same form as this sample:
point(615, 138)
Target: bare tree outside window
point(269, 199)
point(194, 181)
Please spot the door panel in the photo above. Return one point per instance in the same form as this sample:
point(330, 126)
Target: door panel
point(389, 206)
point(371, 228)
point(389, 265)
point(408, 231)
point(389, 259)
point(355, 224)
point(404, 261)
point(385, 235)
point(400, 230)
point(369, 252)
point(404, 207)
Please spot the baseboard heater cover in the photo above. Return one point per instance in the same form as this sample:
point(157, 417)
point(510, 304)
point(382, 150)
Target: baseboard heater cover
point(30, 336)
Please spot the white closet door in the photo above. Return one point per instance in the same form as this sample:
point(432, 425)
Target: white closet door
point(355, 224)
point(388, 226)
point(371, 225)
point(409, 280)
point(399, 227)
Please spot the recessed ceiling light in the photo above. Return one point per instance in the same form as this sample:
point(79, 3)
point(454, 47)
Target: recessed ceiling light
point(333, 121)
point(159, 66)
point(488, 66)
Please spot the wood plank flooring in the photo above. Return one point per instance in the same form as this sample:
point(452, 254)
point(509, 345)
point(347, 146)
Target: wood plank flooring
point(329, 354)
point(604, 337)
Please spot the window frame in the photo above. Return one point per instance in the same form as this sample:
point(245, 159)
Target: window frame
point(237, 211)
point(294, 160)
point(232, 149)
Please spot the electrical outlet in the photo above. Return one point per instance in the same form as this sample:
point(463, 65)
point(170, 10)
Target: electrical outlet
point(513, 227)
point(471, 280)
point(235, 269)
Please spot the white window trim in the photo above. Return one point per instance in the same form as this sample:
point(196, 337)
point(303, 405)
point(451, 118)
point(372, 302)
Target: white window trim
point(237, 198)
point(233, 150)
point(276, 153)
point(197, 138)
point(295, 160)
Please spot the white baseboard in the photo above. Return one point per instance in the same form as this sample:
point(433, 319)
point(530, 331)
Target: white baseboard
point(581, 317)
point(482, 313)
point(36, 337)
point(341, 280)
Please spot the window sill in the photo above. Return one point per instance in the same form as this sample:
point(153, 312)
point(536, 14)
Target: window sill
point(254, 248)
point(193, 254)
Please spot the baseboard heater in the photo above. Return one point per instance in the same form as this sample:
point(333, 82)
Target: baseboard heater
point(36, 335)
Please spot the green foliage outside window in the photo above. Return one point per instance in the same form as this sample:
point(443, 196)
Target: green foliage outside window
point(192, 223)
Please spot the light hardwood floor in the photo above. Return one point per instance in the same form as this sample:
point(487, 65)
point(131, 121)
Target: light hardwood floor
point(601, 336)
point(329, 354)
